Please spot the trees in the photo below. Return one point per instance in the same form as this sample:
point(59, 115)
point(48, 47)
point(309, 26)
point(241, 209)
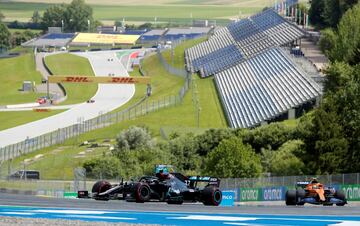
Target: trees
point(4, 37)
point(327, 13)
point(20, 37)
point(75, 17)
point(134, 138)
point(36, 17)
point(211, 139)
point(102, 167)
point(285, 160)
point(269, 136)
point(315, 12)
point(233, 158)
point(1, 16)
point(78, 16)
point(338, 75)
point(53, 16)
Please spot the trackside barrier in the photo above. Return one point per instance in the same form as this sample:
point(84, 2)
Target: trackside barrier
point(228, 198)
point(352, 191)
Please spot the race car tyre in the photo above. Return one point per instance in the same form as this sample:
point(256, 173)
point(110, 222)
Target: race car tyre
point(211, 196)
point(300, 195)
point(99, 187)
point(290, 198)
point(142, 192)
point(340, 195)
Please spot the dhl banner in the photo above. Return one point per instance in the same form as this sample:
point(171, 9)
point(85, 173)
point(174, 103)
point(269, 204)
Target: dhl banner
point(98, 79)
point(105, 38)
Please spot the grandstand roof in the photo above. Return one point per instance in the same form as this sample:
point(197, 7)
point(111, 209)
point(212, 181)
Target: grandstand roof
point(105, 38)
point(252, 36)
point(51, 39)
point(263, 88)
point(154, 32)
point(191, 30)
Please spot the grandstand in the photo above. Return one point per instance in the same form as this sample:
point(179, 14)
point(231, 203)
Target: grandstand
point(50, 40)
point(256, 79)
point(262, 88)
point(152, 36)
point(250, 36)
point(174, 34)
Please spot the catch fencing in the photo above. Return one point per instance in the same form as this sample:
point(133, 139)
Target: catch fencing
point(254, 189)
point(143, 107)
point(288, 181)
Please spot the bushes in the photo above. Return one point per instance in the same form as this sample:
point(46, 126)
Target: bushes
point(234, 159)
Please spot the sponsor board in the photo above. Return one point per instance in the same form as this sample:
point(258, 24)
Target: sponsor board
point(352, 192)
point(273, 193)
point(250, 194)
point(228, 198)
point(98, 79)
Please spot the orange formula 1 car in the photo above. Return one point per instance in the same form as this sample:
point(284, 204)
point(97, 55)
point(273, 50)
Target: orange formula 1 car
point(316, 193)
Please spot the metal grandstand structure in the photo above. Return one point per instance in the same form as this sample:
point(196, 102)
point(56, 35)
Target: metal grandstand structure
point(248, 37)
point(256, 79)
point(262, 88)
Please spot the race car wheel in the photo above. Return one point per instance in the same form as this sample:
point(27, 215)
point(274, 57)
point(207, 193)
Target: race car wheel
point(211, 196)
point(99, 187)
point(142, 192)
point(290, 198)
point(300, 195)
point(340, 195)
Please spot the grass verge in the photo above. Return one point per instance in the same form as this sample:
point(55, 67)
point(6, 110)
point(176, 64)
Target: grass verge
point(12, 74)
point(69, 64)
point(16, 118)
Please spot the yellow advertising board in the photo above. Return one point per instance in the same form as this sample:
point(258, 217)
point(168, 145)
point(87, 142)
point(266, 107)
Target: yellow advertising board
point(98, 79)
point(105, 38)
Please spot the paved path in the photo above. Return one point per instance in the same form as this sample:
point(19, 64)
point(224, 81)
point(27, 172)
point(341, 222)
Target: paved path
point(107, 98)
point(53, 88)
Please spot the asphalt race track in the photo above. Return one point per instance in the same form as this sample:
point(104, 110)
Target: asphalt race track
point(107, 98)
point(186, 214)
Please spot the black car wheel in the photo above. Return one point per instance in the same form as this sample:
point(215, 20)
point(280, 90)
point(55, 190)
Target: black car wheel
point(300, 195)
point(211, 196)
point(290, 198)
point(340, 195)
point(100, 187)
point(142, 192)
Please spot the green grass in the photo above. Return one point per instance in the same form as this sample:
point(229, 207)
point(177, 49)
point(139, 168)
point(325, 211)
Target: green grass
point(16, 118)
point(210, 108)
point(13, 71)
point(13, 30)
point(164, 12)
point(69, 64)
point(178, 59)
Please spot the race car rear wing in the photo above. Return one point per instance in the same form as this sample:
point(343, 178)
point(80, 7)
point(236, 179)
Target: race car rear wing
point(211, 180)
point(302, 184)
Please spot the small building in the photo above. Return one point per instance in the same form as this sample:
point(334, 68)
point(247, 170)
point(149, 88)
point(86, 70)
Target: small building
point(27, 86)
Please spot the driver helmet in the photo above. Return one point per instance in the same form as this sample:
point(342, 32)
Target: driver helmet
point(314, 180)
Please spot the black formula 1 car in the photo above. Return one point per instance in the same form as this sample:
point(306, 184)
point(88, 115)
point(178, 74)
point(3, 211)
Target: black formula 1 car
point(166, 185)
point(313, 192)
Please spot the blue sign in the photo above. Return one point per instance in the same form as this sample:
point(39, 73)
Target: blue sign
point(228, 198)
